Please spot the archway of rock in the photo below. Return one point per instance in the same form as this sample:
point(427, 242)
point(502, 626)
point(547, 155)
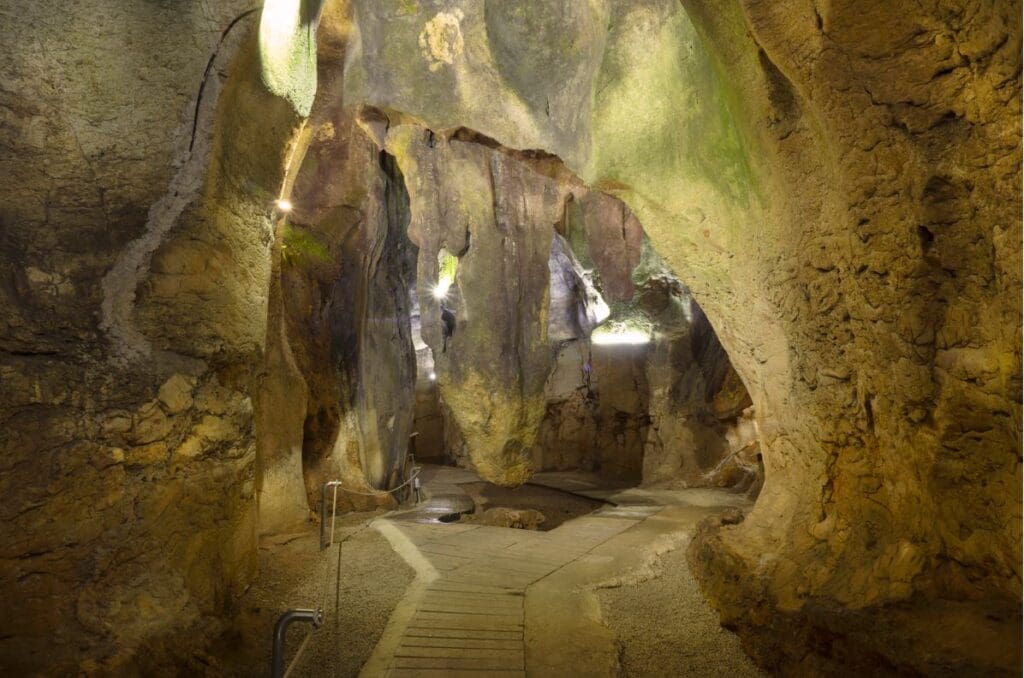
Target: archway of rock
point(615, 380)
point(573, 346)
point(701, 181)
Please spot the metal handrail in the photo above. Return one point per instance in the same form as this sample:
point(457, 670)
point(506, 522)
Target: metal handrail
point(323, 511)
point(412, 479)
point(314, 617)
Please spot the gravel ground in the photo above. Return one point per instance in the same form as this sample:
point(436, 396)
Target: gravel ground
point(666, 628)
point(295, 574)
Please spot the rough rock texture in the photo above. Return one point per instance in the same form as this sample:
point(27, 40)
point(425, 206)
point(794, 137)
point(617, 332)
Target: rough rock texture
point(345, 343)
point(144, 431)
point(133, 304)
point(601, 428)
point(598, 251)
point(839, 185)
point(607, 237)
point(667, 411)
point(703, 430)
point(496, 215)
point(662, 413)
point(428, 417)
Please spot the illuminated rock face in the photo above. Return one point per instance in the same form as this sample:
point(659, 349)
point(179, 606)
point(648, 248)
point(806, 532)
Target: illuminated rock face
point(168, 376)
point(340, 326)
point(134, 308)
point(839, 186)
point(649, 395)
point(496, 215)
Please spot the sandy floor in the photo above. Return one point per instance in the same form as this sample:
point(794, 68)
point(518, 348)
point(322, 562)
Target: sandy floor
point(294, 573)
point(666, 628)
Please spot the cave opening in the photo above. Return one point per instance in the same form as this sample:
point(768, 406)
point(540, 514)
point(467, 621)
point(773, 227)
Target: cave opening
point(638, 391)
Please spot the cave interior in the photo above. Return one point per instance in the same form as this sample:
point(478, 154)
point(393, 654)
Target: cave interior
point(607, 338)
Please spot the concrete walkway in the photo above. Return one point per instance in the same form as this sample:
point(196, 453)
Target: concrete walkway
point(492, 601)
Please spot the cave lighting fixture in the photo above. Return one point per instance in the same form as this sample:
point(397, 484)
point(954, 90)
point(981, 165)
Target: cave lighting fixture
point(619, 336)
point(283, 205)
point(440, 290)
point(433, 376)
point(447, 265)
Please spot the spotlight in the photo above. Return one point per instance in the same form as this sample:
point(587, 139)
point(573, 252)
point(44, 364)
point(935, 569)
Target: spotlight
point(433, 376)
point(440, 290)
point(611, 337)
point(283, 205)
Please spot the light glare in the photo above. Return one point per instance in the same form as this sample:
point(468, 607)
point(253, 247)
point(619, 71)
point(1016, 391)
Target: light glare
point(440, 290)
point(602, 337)
point(283, 205)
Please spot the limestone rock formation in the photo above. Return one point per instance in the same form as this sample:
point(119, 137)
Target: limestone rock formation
point(666, 410)
point(134, 304)
point(837, 183)
point(146, 440)
point(840, 188)
point(495, 215)
point(346, 270)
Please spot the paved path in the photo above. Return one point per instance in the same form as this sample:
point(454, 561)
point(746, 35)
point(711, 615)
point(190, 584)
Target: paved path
point(492, 601)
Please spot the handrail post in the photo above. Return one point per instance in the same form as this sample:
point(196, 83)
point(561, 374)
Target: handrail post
point(323, 511)
point(314, 617)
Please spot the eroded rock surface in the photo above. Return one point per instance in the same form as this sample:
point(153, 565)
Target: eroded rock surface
point(339, 326)
point(670, 412)
point(134, 307)
point(840, 188)
point(138, 240)
point(495, 215)
point(837, 183)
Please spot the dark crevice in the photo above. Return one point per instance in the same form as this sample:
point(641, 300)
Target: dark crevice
point(927, 239)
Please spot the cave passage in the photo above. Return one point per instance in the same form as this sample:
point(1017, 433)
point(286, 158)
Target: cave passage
point(618, 400)
point(632, 338)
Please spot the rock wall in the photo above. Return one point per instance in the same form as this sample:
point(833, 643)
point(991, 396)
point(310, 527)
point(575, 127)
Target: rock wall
point(600, 426)
point(346, 266)
point(669, 413)
point(136, 271)
point(147, 438)
point(496, 215)
point(839, 185)
point(597, 250)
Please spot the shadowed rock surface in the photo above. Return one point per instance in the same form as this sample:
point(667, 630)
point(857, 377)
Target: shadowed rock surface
point(184, 360)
